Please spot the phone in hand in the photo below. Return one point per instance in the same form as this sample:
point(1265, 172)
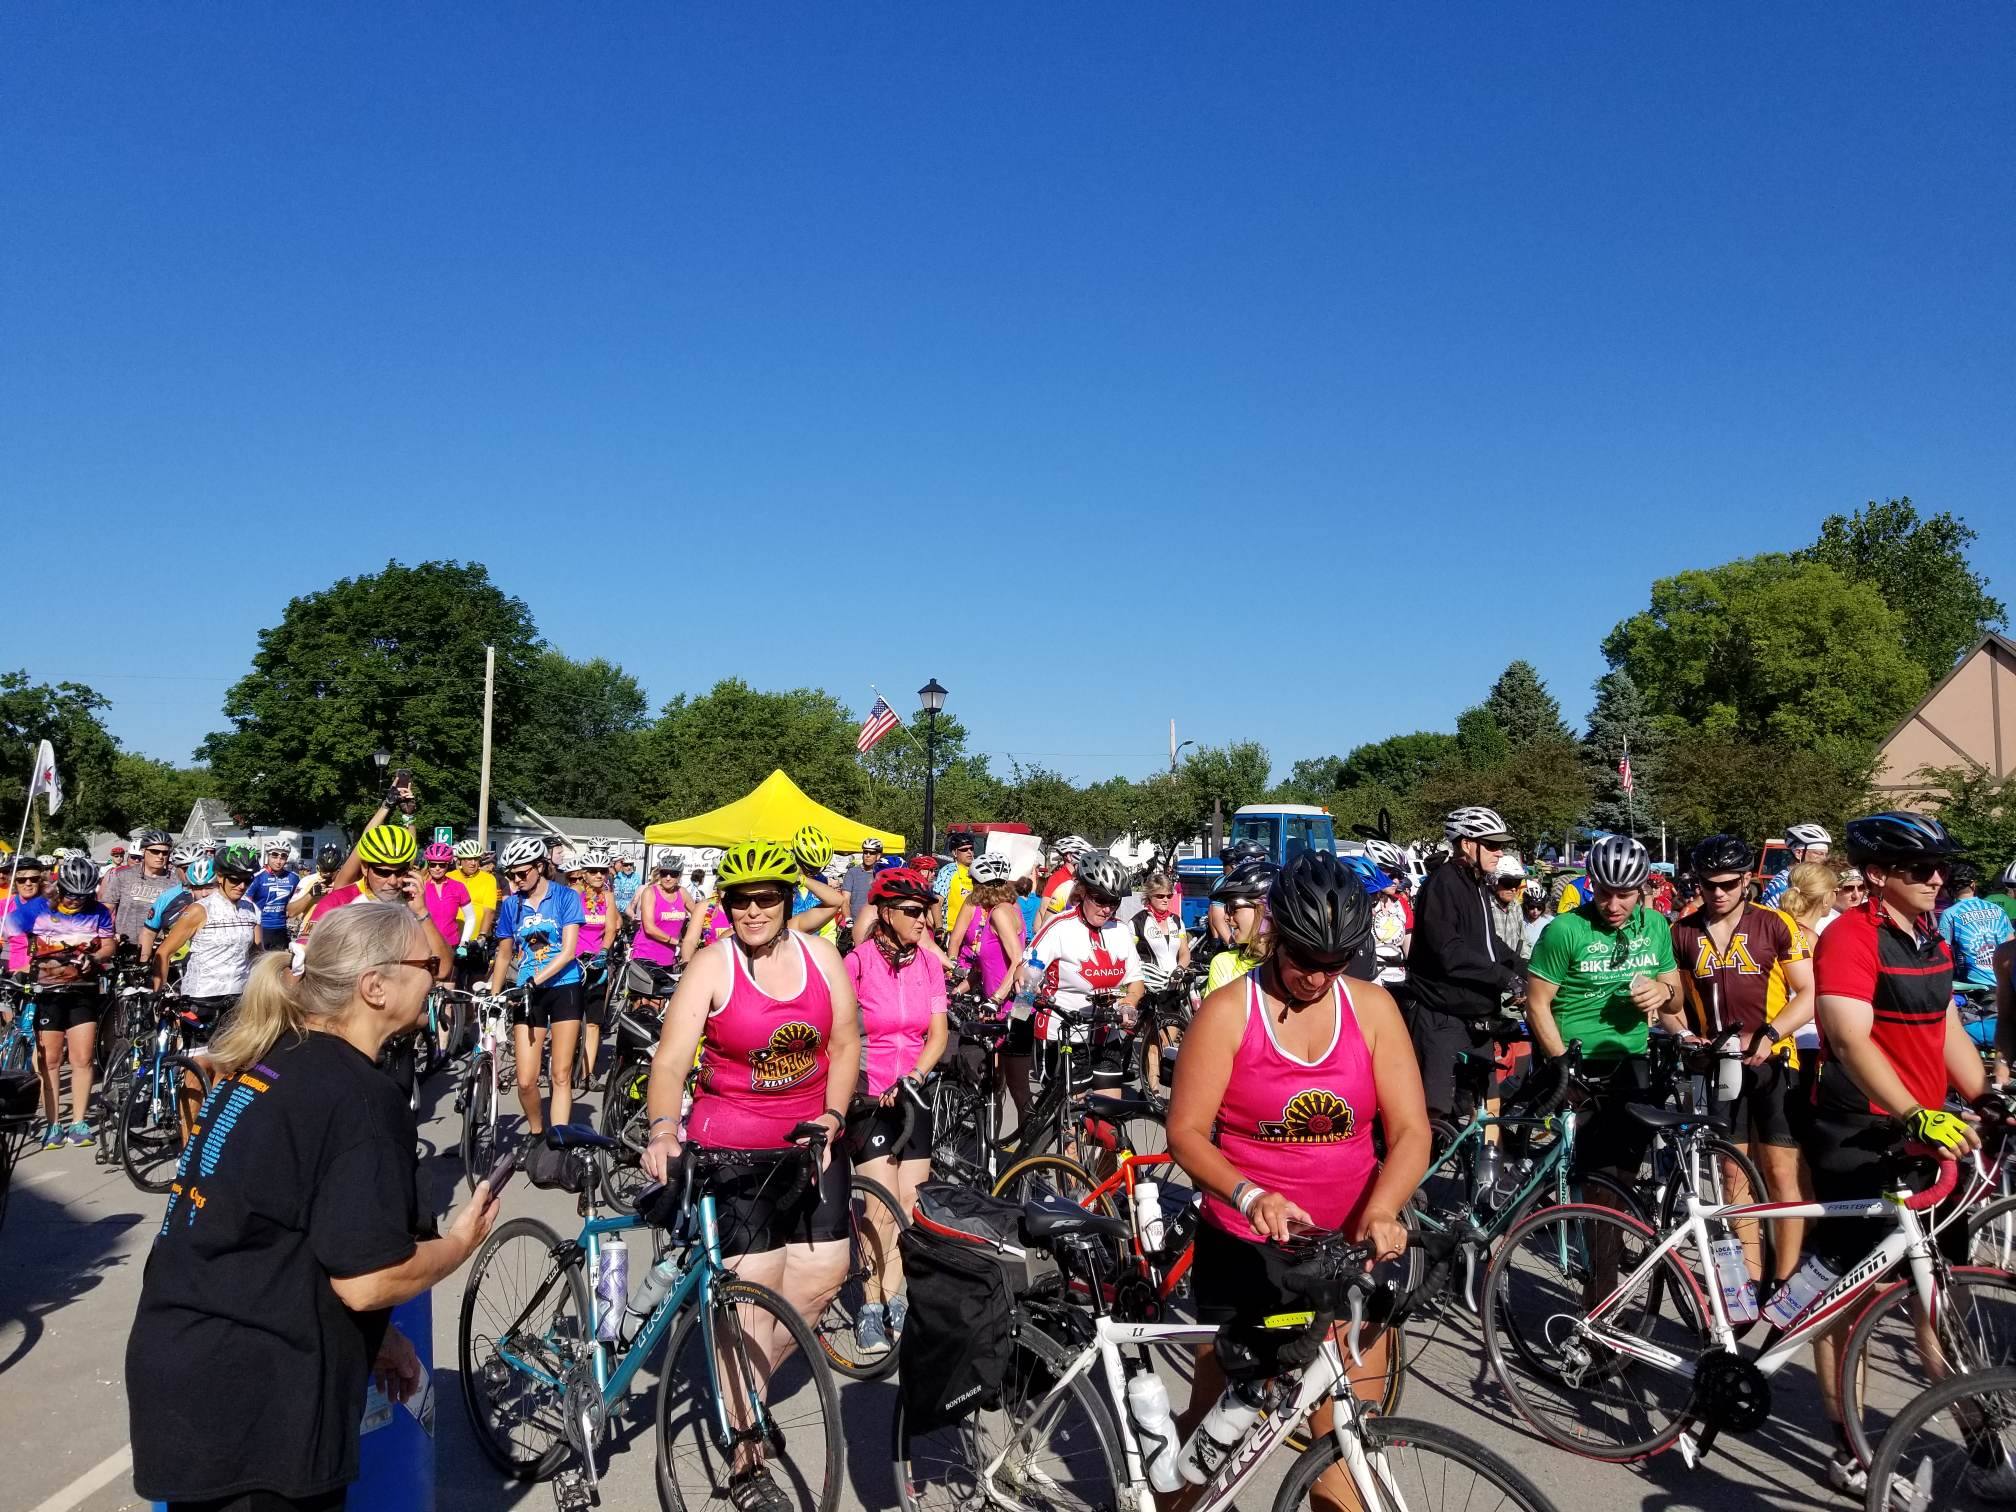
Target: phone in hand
point(501, 1172)
point(403, 778)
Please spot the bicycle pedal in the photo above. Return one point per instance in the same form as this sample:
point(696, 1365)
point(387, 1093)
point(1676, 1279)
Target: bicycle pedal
point(572, 1491)
point(1690, 1453)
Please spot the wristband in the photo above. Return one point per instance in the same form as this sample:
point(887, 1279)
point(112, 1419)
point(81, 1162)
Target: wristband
point(836, 1115)
point(1245, 1195)
point(663, 1118)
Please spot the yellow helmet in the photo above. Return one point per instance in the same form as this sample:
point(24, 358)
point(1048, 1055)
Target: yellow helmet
point(750, 861)
point(812, 847)
point(388, 845)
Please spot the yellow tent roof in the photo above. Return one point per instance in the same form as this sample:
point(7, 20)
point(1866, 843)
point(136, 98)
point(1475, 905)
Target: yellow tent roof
point(774, 811)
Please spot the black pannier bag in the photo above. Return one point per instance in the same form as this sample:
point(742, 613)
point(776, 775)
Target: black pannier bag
point(964, 1266)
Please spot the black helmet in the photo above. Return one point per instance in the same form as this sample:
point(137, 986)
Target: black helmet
point(329, 855)
point(150, 837)
point(1723, 853)
point(1321, 904)
point(1898, 836)
point(1243, 851)
point(1249, 884)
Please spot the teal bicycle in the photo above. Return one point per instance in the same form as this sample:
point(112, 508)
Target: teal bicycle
point(747, 1415)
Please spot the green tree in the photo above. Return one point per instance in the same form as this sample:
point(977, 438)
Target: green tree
point(711, 749)
point(1920, 567)
point(967, 791)
point(67, 716)
point(1165, 811)
point(1046, 801)
point(1311, 780)
point(1480, 743)
point(1978, 807)
point(579, 749)
point(1542, 789)
point(1712, 781)
point(392, 660)
point(1522, 706)
point(1775, 649)
point(1399, 763)
point(1620, 720)
point(152, 793)
point(1228, 774)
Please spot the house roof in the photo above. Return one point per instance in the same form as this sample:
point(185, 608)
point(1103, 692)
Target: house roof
point(2002, 650)
point(574, 827)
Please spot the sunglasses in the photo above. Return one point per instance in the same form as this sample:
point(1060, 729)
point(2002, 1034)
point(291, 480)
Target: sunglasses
point(1096, 901)
point(766, 898)
point(1309, 965)
point(425, 963)
point(526, 871)
point(1734, 884)
point(1924, 871)
point(153, 851)
point(385, 871)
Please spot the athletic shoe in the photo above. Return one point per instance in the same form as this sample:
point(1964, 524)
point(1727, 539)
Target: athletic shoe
point(80, 1134)
point(871, 1330)
point(899, 1309)
point(52, 1137)
point(1847, 1474)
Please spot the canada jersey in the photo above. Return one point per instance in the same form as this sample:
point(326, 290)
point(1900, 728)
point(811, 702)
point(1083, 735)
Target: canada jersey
point(1742, 982)
point(1079, 961)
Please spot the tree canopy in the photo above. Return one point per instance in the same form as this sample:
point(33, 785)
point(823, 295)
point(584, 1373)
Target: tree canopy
point(1523, 708)
point(1920, 569)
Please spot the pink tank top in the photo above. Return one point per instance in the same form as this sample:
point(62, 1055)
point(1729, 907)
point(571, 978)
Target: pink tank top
point(994, 954)
point(668, 915)
point(1303, 1129)
point(763, 1060)
point(896, 1010)
point(595, 918)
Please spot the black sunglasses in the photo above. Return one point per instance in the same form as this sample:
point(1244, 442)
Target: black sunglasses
point(765, 898)
point(908, 910)
point(526, 871)
point(384, 871)
point(1308, 964)
point(1923, 871)
point(1734, 884)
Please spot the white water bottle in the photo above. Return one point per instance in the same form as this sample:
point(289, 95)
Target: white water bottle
point(1228, 1422)
point(1148, 1405)
point(1739, 1292)
point(1808, 1284)
point(612, 1287)
point(651, 1291)
point(1148, 1219)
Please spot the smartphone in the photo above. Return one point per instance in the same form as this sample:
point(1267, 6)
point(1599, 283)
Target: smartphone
point(403, 778)
point(501, 1172)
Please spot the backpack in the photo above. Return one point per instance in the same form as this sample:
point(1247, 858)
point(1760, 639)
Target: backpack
point(965, 1267)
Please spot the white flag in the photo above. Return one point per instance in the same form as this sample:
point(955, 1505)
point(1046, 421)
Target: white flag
point(45, 779)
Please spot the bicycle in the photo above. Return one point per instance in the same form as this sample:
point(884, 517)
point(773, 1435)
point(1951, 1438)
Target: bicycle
point(546, 1361)
point(1953, 1447)
point(1165, 1014)
point(1064, 1433)
point(492, 1065)
point(964, 1088)
point(166, 1091)
point(1072, 1103)
point(1577, 1305)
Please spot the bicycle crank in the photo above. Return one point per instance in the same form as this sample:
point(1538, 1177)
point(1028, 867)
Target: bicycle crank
point(1729, 1392)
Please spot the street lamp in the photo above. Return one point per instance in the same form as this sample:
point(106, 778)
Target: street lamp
point(931, 698)
point(1178, 752)
point(383, 757)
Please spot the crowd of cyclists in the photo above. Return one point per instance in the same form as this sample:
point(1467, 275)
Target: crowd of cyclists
point(1328, 1007)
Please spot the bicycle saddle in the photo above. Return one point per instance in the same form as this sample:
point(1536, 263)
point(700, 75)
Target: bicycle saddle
point(577, 1137)
point(1674, 1118)
point(1046, 1219)
point(1110, 1105)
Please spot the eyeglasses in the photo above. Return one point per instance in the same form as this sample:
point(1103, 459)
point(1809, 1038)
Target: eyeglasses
point(1731, 884)
point(1309, 965)
point(1924, 871)
point(908, 910)
point(425, 963)
point(766, 898)
point(153, 850)
point(384, 871)
point(1098, 902)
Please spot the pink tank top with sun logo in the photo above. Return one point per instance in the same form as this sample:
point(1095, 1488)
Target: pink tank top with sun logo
point(1300, 1128)
point(763, 1060)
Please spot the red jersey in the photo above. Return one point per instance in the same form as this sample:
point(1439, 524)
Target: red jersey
point(1907, 979)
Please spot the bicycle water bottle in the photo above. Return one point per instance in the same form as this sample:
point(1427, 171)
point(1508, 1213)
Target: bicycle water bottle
point(1230, 1419)
point(1485, 1173)
point(1148, 1405)
point(1739, 1292)
point(651, 1291)
point(1148, 1215)
point(612, 1287)
point(1808, 1284)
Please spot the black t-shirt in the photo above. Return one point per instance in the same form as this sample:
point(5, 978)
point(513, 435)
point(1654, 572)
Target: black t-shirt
point(244, 1372)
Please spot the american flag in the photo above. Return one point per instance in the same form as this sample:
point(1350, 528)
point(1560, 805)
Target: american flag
point(880, 721)
point(1624, 770)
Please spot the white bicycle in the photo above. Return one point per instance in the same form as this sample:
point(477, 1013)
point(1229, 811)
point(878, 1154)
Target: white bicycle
point(493, 1064)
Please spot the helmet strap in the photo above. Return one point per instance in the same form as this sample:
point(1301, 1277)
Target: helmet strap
point(1270, 973)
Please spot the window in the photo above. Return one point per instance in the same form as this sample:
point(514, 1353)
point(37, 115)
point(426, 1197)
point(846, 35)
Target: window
point(1266, 831)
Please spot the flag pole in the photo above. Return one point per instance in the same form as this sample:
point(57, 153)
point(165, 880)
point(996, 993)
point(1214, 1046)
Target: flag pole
point(1630, 796)
point(900, 724)
point(27, 808)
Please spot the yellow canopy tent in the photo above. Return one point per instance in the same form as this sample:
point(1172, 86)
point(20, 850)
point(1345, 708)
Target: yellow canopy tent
point(774, 811)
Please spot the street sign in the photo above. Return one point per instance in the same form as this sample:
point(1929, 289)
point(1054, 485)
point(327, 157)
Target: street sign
point(444, 834)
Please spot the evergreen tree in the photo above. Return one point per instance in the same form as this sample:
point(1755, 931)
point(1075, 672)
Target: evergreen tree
point(1523, 707)
point(1621, 719)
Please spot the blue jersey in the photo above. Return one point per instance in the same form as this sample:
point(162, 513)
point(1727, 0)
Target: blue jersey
point(624, 885)
point(1973, 927)
point(158, 919)
point(535, 930)
point(269, 894)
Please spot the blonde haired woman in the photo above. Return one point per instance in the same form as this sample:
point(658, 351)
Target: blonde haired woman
point(1808, 901)
point(293, 1230)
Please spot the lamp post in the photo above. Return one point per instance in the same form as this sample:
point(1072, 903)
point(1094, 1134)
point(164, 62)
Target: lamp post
point(931, 698)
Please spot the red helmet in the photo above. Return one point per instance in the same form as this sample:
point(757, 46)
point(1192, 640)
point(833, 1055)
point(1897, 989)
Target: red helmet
point(926, 864)
point(898, 885)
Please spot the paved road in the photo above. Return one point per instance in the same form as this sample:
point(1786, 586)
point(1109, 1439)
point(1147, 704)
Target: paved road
point(75, 1242)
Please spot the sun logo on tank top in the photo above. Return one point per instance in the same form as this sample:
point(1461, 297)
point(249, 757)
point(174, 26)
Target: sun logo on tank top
point(1317, 1116)
point(791, 1056)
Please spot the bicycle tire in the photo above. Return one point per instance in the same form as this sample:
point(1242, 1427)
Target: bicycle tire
point(949, 1459)
point(1529, 1362)
point(1991, 1234)
point(1389, 1442)
point(17, 1051)
point(556, 1344)
point(1977, 1322)
point(684, 1382)
point(1043, 1175)
point(152, 1159)
point(622, 1097)
point(479, 1122)
point(957, 1141)
point(859, 1287)
point(1905, 1476)
point(1672, 1196)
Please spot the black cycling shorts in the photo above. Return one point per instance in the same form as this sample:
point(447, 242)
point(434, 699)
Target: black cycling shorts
point(1762, 1111)
point(1234, 1281)
point(595, 1003)
point(1607, 1137)
point(769, 1207)
point(550, 1005)
point(882, 1136)
point(60, 1012)
point(1855, 1156)
point(1021, 1037)
point(209, 1013)
point(1438, 1039)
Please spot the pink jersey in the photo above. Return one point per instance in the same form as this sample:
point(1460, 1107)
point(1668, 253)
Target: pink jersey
point(993, 953)
point(445, 899)
point(1300, 1128)
point(762, 1060)
point(667, 916)
point(896, 1010)
point(596, 914)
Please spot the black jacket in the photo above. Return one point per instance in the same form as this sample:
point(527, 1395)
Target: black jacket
point(1457, 964)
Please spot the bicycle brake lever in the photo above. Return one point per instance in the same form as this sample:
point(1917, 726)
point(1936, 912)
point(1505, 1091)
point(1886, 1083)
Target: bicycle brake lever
point(1357, 1322)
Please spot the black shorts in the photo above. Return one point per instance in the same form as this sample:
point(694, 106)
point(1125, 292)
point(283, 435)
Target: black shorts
point(1853, 1156)
point(1438, 1039)
point(274, 939)
point(1607, 1137)
point(1762, 1111)
point(1021, 1037)
point(595, 1003)
point(550, 1005)
point(1233, 1281)
point(60, 1012)
point(881, 1131)
point(768, 1208)
point(209, 1013)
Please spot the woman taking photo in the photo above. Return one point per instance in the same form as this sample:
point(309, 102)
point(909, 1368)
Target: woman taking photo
point(1283, 1073)
point(264, 1310)
point(899, 981)
point(660, 911)
point(773, 1016)
point(601, 922)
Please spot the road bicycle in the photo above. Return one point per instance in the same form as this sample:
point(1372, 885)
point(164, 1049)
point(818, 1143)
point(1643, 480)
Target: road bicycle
point(1063, 1433)
point(492, 1067)
point(1165, 1014)
point(1615, 1342)
point(1953, 1447)
point(547, 1362)
point(162, 1098)
point(964, 1091)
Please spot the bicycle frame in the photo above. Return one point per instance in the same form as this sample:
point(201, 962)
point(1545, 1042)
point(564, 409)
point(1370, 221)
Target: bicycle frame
point(1123, 1180)
point(1558, 1160)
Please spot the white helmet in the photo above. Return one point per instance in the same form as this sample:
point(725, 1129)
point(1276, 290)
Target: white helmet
point(1387, 856)
point(1072, 846)
point(594, 859)
point(183, 854)
point(1619, 862)
point(1101, 873)
point(523, 851)
point(992, 867)
point(276, 847)
point(1509, 865)
point(1475, 824)
point(2009, 875)
point(468, 850)
point(1803, 835)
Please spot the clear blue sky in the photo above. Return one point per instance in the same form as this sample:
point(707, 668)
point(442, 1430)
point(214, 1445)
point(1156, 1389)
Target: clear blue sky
point(1234, 333)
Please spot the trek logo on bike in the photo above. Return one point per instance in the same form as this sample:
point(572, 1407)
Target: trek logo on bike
point(1317, 1116)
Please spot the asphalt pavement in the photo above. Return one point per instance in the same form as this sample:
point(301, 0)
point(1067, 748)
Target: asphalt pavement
point(74, 1245)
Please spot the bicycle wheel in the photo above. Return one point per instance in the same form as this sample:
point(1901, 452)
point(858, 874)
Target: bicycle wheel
point(874, 1228)
point(159, 1106)
point(1051, 1176)
point(1882, 1366)
point(479, 1122)
point(1573, 1390)
point(1953, 1447)
point(956, 1142)
point(525, 1332)
point(1146, 1068)
point(716, 1401)
point(622, 1116)
point(1420, 1466)
point(1991, 1234)
point(1062, 1453)
point(17, 1051)
point(1706, 1174)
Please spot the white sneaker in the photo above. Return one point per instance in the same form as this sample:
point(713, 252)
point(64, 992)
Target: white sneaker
point(1847, 1474)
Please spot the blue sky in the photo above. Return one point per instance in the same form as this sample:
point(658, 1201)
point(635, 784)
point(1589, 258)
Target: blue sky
point(1110, 363)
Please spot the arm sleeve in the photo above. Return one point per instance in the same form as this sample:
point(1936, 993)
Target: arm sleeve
point(358, 1219)
point(1844, 963)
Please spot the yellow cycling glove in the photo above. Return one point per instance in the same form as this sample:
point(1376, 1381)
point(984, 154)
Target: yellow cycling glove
point(1937, 1127)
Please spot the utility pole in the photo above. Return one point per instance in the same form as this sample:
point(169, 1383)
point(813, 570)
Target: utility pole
point(1172, 746)
point(483, 788)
